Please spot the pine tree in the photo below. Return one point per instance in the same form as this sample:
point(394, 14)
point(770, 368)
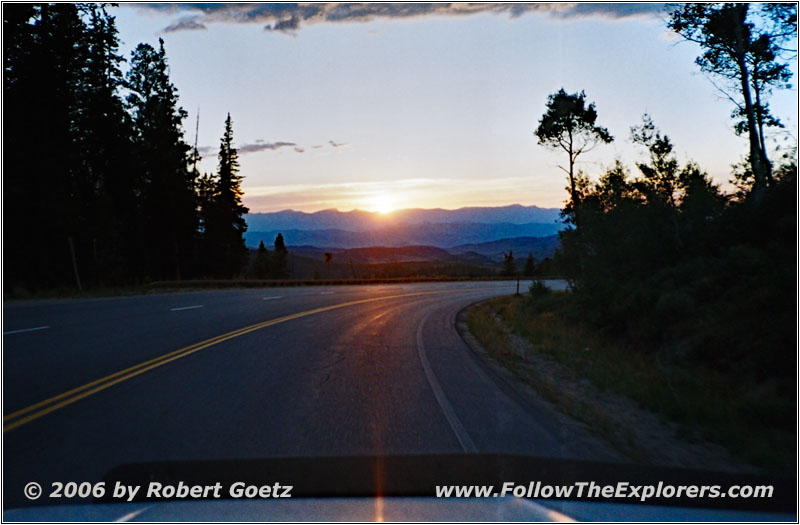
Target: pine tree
point(530, 266)
point(261, 264)
point(206, 191)
point(95, 187)
point(165, 185)
point(225, 225)
point(104, 149)
point(43, 68)
point(280, 266)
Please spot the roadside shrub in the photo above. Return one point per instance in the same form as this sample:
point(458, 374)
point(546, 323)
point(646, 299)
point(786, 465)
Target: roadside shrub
point(539, 289)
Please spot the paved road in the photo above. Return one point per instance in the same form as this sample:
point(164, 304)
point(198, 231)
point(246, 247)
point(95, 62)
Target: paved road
point(345, 370)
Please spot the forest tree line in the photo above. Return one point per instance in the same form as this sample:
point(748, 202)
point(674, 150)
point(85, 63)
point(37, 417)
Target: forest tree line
point(101, 187)
point(658, 257)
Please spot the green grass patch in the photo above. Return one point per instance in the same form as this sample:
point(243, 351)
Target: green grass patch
point(752, 420)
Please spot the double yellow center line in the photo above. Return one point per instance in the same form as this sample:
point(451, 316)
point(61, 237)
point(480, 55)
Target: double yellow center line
point(37, 410)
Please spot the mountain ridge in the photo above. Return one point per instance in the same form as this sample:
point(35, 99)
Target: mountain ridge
point(361, 220)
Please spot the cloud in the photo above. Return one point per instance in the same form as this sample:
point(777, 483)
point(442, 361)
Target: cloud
point(609, 11)
point(288, 18)
point(260, 145)
point(189, 23)
point(286, 25)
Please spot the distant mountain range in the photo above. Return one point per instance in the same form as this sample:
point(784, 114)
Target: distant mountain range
point(434, 227)
point(359, 220)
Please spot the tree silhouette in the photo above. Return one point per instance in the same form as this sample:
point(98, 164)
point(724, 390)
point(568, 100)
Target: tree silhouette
point(569, 124)
point(509, 266)
point(165, 188)
point(224, 225)
point(103, 144)
point(530, 266)
point(743, 44)
point(280, 263)
point(44, 53)
point(660, 174)
point(98, 188)
point(261, 263)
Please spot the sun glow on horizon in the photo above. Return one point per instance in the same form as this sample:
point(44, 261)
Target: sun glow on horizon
point(382, 203)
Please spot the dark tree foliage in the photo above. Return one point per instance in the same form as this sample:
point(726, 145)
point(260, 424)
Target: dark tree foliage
point(569, 124)
point(104, 147)
point(64, 164)
point(261, 267)
point(224, 224)
point(746, 46)
point(280, 261)
point(661, 172)
point(530, 266)
point(206, 197)
point(672, 268)
point(509, 265)
point(164, 186)
point(99, 190)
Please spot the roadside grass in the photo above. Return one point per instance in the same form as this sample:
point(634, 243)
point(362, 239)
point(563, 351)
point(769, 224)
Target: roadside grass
point(751, 420)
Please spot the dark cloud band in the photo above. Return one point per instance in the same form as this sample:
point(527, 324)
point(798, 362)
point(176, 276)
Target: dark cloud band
point(260, 145)
point(264, 146)
point(291, 17)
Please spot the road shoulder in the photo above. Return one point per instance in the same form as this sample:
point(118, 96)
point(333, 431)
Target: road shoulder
point(610, 422)
point(579, 434)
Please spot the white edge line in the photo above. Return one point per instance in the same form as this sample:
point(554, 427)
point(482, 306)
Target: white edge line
point(26, 330)
point(186, 308)
point(458, 428)
point(273, 297)
point(326, 293)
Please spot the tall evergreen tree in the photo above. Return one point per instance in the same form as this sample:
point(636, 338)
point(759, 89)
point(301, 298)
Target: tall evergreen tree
point(165, 186)
point(261, 263)
point(104, 149)
point(280, 262)
point(43, 53)
point(225, 225)
point(94, 188)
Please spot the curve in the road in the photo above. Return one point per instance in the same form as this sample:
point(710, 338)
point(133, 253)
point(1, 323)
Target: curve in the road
point(449, 413)
point(46, 406)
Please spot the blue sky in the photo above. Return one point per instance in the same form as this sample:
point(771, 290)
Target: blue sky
point(380, 110)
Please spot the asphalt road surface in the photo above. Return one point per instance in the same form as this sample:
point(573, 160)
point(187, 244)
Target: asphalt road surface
point(314, 371)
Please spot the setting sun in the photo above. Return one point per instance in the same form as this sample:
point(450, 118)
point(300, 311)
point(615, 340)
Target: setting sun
point(382, 203)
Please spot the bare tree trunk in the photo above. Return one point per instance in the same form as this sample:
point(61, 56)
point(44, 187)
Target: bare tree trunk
point(755, 149)
point(74, 263)
point(573, 193)
point(760, 123)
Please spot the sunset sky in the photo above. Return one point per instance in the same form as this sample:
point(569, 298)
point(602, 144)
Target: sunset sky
point(389, 106)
